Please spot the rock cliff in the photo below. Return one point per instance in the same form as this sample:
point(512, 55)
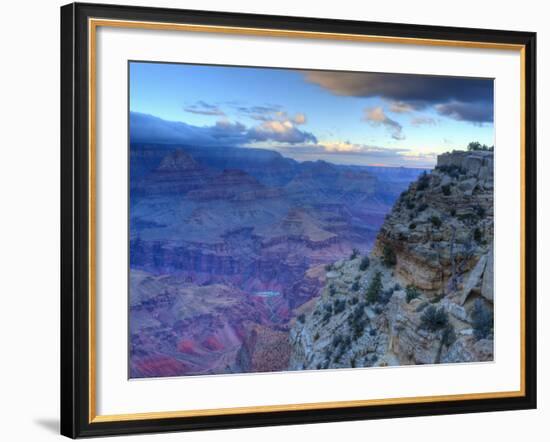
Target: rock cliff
point(424, 295)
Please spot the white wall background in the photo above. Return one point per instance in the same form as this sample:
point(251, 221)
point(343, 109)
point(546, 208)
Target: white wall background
point(29, 221)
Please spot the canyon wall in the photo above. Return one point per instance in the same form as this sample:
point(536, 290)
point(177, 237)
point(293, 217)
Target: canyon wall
point(425, 293)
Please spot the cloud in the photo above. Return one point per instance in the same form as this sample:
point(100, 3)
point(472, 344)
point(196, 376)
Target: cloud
point(408, 92)
point(423, 121)
point(357, 148)
point(276, 125)
point(282, 131)
point(147, 128)
point(400, 107)
point(345, 152)
point(479, 113)
point(203, 108)
point(284, 138)
point(261, 113)
point(271, 113)
point(376, 116)
point(300, 118)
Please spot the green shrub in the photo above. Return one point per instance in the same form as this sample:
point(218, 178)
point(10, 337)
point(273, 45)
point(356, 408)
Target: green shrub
point(357, 314)
point(468, 218)
point(365, 262)
point(346, 342)
point(449, 336)
point(328, 313)
point(453, 212)
point(375, 288)
point(436, 221)
point(422, 207)
point(423, 181)
point(478, 235)
point(302, 318)
point(358, 330)
point(482, 320)
point(339, 306)
point(412, 226)
point(389, 257)
point(355, 286)
point(437, 298)
point(412, 292)
point(476, 145)
point(354, 254)
point(328, 267)
point(446, 189)
point(480, 211)
point(434, 319)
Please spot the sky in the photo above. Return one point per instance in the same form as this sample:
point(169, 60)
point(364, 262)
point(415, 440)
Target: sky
point(343, 117)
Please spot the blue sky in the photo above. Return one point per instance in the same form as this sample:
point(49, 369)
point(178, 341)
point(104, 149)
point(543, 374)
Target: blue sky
point(342, 117)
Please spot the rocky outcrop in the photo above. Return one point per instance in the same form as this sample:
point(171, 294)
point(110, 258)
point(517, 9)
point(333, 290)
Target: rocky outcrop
point(442, 225)
point(341, 329)
point(425, 294)
point(177, 174)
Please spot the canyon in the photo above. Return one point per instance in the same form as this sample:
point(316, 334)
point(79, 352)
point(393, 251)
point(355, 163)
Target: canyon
point(228, 251)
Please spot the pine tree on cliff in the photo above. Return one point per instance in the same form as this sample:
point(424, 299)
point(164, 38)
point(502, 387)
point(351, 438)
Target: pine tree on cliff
point(375, 288)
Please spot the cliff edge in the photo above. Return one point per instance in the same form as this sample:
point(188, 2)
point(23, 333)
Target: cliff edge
point(425, 294)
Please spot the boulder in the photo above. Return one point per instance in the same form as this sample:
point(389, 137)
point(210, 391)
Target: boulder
point(472, 164)
point(474, 278)
point(467, 184)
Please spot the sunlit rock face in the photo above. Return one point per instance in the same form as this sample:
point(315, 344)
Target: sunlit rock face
point(425, 293)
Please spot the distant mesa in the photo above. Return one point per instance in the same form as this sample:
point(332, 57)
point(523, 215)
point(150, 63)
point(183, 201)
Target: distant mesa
point(178, 161)
point(227, 185)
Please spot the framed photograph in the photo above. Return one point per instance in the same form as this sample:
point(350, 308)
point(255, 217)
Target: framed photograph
point(274, 220)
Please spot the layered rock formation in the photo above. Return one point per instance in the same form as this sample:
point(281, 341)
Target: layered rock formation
point(216, 227)
point(425, 293)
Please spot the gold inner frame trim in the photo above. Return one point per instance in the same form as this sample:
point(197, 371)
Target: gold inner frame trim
point(93, 24)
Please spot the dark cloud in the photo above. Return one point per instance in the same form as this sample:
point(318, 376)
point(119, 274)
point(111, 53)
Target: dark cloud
point(147, 128)
point(204, 108)
point(376, 116)
point(408, 92)
point(480, 112)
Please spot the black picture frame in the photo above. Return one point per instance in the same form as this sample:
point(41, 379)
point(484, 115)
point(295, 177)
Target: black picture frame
point(75, 247)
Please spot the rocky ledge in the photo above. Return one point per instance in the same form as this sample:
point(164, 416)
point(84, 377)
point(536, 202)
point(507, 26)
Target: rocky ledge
point(425, 294)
